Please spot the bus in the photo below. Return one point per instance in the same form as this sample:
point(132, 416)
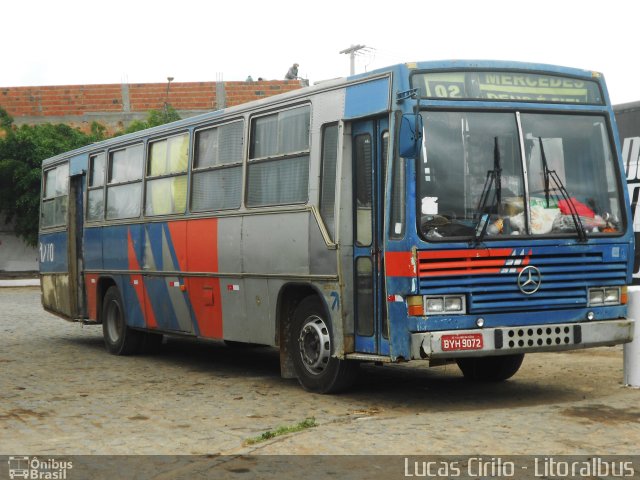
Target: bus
point(439, 212)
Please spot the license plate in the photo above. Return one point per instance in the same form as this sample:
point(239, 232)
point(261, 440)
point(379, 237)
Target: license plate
point(465, 341)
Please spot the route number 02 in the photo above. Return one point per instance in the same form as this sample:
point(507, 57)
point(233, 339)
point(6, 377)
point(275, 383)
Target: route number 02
point(447, 91)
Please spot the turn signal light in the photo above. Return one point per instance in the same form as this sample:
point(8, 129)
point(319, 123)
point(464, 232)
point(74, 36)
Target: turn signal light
point(415, 306)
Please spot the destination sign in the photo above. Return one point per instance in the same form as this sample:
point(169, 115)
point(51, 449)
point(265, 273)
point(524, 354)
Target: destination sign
point(505, 86)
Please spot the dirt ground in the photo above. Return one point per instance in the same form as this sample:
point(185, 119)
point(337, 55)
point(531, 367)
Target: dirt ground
point(62, 394)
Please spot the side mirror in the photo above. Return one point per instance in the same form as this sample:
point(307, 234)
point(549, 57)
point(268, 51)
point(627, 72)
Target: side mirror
point(410, 139)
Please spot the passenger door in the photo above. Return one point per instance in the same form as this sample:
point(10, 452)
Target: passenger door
point(76, 230)
point(369, 143)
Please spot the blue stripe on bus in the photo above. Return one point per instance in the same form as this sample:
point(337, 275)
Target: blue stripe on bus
point(114, 247)
point(53, 252)
point(162, 305)
point(135, 314)
point(93, 248)
point(367, 98)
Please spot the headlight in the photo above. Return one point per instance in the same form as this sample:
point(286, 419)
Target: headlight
point(611, 295)
point(419, 305)
point(453, 304)
point(434, 305)
point(601, 296)
point(596, 296)
point(438, 305)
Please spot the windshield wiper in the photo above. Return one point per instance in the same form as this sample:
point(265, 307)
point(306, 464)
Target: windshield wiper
point(551, 174)
point(497, 168)
point(493, 177)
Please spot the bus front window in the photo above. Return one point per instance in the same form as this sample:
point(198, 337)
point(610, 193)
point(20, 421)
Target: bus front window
point(469, 175)
point(471, 184)
point(571, 175)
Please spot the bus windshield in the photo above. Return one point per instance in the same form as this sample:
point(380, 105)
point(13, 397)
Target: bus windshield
point(472, 184)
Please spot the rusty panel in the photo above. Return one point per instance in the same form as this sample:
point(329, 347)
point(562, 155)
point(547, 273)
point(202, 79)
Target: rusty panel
point(55, 294)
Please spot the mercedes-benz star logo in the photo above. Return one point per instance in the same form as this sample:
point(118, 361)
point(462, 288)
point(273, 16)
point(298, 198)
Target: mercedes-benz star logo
point(529, 280)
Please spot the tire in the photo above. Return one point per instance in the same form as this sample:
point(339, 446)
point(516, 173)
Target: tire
point(119, 339)
point(311, 346)
point(490, 369)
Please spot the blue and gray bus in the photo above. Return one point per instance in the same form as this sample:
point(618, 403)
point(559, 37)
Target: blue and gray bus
point(451, 211)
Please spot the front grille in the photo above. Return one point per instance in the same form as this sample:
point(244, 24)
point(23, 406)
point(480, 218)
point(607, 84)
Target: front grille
point(489, 277)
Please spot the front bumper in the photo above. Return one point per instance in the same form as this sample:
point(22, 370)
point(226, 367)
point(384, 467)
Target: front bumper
point(522, 339)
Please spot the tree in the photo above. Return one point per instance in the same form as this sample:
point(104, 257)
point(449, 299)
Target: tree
point(154, 119)
point(22, 150)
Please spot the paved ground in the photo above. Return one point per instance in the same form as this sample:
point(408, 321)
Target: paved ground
point(61, 393)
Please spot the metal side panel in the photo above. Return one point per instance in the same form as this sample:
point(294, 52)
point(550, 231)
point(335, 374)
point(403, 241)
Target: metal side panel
point(276, 244)
point(55, 294)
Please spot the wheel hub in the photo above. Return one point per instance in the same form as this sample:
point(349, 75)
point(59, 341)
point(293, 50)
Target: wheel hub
point(114, 324)
point(315, 345)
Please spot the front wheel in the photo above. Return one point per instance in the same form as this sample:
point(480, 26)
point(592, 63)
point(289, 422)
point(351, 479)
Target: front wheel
point(119, 339)
point(312, 348)
point(490, 369)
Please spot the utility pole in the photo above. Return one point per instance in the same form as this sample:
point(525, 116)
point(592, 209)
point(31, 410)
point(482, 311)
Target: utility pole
point(352, 56)
point(166, 100)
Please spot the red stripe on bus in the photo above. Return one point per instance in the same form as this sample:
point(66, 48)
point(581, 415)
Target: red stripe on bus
point(91, 287)
point(464, 263)
point(475, 253)
point(475, 271)
point(137, 282)
point(195, 243)
point(399, 264)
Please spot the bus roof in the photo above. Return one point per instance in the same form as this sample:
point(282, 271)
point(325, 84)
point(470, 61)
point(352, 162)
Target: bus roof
point(404, 68)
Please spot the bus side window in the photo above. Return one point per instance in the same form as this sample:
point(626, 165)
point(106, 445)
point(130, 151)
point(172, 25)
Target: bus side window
point(397, 219)
point(55, 196)
point(278, 167)
point(328, 177)
point(95, 195)
point(217, 168)
point(167, 176)
point(124, 182)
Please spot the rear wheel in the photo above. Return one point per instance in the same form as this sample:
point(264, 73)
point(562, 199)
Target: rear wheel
point(490, 369)
point(119, 339)
point(312, 346)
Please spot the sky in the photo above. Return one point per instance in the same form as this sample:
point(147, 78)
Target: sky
point(69, 42)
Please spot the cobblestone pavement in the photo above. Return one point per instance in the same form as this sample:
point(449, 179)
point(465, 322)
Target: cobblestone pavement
point(61, 393)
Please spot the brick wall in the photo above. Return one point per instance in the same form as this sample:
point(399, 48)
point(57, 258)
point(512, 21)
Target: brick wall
point(117, 105)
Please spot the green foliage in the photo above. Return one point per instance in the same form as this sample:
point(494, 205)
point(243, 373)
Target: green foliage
point(22, 150)
point(154, 119)
point(283, 430)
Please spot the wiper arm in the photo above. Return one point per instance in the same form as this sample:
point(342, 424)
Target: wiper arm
point(545, 171)
point(478, 231)
point(551, 174)
point(497, 168)
point(493, 176)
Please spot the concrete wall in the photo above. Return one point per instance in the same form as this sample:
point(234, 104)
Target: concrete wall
point(15, 255)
